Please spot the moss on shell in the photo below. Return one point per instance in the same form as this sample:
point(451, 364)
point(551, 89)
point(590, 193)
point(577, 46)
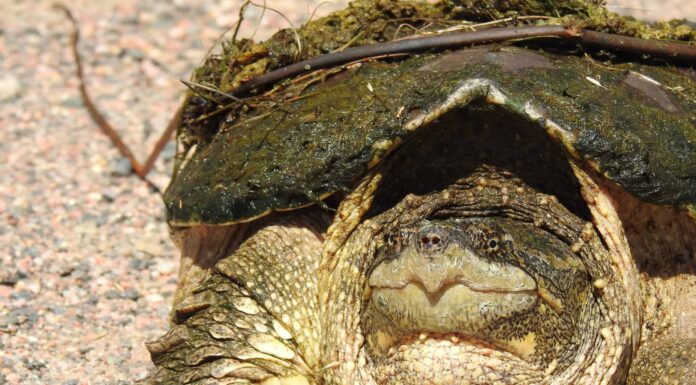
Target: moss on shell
point(372, 21)
point(297, 115)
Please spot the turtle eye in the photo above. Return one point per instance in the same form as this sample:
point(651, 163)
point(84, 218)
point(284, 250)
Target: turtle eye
point(492, 245)
point(393, 241)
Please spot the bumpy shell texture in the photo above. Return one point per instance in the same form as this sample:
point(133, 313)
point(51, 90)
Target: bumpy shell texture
point(633, 123)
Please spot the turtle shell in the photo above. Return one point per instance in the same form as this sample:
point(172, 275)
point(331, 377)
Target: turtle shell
point(633, 123)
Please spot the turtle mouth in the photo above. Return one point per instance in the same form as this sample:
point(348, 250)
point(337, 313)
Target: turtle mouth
point(452, 307)
point(456, 313)
point(457, 291)
point(451, 335)
point(460, 287)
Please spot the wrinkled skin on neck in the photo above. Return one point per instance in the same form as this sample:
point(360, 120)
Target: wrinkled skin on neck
point(486, 281)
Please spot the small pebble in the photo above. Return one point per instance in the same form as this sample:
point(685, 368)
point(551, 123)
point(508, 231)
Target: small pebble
point(10, 87)
point(112, 294)
point(131, 294)
point(120, 167)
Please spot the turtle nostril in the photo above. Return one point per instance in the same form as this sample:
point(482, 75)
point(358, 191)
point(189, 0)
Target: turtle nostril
point(432, 238)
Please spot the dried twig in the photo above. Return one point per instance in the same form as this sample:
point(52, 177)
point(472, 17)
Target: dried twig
point(141, 170)
point(298, 39)
point(469, 26)
point(311, 17)
point(637, 46)
point(192, 86)
point(631, 45)
point(398, 47)
point(406, 25)
point(240, 20)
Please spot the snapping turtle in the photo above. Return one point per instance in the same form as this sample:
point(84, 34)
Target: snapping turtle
point(499, 214)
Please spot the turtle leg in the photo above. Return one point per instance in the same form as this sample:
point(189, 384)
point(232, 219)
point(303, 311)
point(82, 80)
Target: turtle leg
point(254, 319)
point(669, 361)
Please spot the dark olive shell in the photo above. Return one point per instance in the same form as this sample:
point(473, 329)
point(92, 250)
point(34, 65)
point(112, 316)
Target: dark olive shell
point(634, 123)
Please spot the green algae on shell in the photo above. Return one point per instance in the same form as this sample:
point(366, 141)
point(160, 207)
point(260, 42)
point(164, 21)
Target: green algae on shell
point(367, 22)
point(634, 123)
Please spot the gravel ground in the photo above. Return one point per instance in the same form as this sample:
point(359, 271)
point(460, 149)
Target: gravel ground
point(86, 267)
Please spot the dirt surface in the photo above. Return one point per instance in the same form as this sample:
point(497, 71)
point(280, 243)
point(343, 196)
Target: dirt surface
point(87, 270)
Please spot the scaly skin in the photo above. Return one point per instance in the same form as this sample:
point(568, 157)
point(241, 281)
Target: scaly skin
point(261, 317)
point(255, 317)
point(663, 244)
point(667, 361)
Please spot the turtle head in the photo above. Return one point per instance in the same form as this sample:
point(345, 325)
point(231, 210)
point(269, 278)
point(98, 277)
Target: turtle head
point(460, 288)
point(434, 256)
